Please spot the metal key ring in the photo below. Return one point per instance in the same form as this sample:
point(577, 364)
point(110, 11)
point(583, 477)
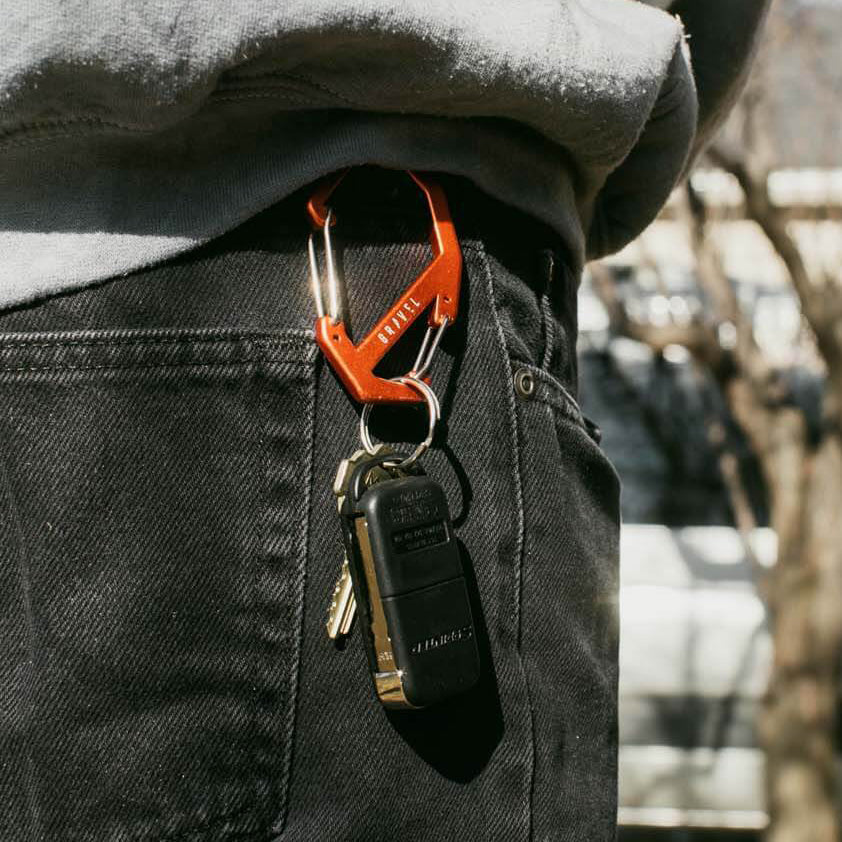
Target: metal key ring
point(434, 410)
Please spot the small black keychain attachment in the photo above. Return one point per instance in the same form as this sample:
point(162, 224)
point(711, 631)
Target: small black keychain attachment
point(408, 582)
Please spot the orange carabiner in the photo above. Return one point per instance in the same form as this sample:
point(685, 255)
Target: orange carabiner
point(438, 285)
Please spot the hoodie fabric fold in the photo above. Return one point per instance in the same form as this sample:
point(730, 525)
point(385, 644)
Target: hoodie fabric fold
point(134, 131)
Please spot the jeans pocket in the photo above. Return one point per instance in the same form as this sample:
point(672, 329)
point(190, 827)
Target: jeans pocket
point(153, 521)
point(569, 609)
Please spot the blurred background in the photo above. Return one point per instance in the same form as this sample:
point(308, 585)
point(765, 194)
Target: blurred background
point(711, 358)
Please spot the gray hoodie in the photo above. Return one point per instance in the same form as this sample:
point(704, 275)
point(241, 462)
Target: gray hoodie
point(134, 130)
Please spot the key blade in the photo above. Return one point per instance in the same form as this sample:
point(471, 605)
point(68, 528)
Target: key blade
point(342, 605)
point(348, 619)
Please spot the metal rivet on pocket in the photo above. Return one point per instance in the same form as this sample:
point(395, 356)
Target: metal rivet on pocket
point(524, 383)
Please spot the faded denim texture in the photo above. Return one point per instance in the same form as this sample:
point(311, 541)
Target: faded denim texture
point(169, 543)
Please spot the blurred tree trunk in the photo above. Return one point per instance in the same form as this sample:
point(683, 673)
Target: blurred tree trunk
point(797, 727)
point(803, 591)
point(803, 474)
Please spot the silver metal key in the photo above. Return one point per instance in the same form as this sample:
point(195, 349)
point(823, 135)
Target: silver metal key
point(343, 604)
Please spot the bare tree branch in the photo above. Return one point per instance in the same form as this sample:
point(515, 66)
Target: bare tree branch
point(820, 302)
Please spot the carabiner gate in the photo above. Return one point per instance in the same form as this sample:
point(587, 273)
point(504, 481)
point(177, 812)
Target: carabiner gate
point(332, 279)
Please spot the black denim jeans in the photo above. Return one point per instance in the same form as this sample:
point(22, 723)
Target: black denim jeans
point(169, 544)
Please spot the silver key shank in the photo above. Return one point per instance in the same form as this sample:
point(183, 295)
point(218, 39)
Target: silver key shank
point(343, 604)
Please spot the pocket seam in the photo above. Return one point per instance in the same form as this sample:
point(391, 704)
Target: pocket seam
point(58, 339)
point(204, 826)
point(292, 361)
point(516, 473)
point(177, 349)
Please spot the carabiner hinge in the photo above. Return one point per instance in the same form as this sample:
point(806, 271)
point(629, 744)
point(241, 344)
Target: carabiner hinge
point(436, 289)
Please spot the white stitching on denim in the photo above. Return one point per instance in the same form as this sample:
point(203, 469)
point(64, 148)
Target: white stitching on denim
point(298, 597)
point(520, 545)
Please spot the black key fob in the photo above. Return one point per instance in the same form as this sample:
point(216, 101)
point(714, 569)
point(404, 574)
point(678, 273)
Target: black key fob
point(409, 584)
